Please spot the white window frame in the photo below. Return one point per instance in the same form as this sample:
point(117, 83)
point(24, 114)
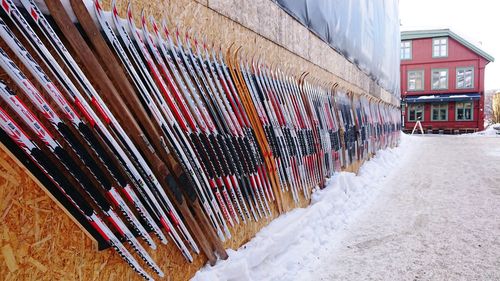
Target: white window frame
point(408, 80)
point(410, 47)
point(447, 78)
point(472, 77)
point(438, 40)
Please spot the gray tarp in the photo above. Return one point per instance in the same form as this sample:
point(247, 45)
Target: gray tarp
point(366, 32)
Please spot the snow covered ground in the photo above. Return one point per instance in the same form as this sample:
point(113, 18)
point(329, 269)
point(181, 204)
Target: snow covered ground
point(491, 130)
point(427, 210)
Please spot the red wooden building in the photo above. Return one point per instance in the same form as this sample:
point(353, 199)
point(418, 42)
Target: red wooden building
point(442, 81)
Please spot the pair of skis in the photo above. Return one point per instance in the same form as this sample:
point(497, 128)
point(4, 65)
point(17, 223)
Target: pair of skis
point(58, 178)
point(81, 104)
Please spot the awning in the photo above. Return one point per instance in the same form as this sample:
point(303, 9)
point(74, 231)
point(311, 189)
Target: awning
point(442, 98)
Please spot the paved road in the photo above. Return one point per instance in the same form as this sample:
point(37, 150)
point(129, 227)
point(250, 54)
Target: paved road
point(437, 219)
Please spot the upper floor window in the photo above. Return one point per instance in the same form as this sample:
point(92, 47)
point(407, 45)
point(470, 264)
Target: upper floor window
point(439, 112)
point(415, 80)
point(439, 47)
point(406, 50)
point(463, 111)
point(416, 112)
point(465, 77)
point(440, 79)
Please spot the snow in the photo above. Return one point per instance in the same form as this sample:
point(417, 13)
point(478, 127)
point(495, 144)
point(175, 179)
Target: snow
point(428, 209)
point(281, 249)
point(426, 97)
point(437, 219)
point(491, 130)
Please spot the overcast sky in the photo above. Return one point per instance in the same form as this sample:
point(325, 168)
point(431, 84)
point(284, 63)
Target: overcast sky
point(477, 21)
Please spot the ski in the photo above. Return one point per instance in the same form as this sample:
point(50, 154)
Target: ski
point(72, 166)
point(82, 105)
point(49, 169)
point(59, 125)
point(121, 27)
point(101, 46)
point(110, 93)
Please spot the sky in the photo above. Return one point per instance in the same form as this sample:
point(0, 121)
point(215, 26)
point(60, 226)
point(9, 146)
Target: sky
point(477, 21)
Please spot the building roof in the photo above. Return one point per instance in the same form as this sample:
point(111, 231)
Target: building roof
point(432, 33)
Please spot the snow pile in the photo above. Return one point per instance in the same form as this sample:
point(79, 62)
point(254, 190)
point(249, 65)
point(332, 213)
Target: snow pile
point(288, 244)
point(492, 130)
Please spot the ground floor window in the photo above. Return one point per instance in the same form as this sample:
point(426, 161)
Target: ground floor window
point(439, 112)
point(416, 112)
point(464, 111)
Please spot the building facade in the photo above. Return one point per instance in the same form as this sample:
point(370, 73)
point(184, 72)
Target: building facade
point(442, 82)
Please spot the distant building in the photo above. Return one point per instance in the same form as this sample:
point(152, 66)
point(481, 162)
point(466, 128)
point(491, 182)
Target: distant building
point(496, 108)
point(442, 81)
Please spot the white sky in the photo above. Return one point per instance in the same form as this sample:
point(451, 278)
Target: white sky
point(478, 21)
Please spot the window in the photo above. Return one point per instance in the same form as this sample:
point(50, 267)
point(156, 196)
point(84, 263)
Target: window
point(465, 77)
point(439, 112)
point(415, 80)
point(440, 79)
point(406, 50)
point(464, 111)
point(416, 112)
point(439, 47)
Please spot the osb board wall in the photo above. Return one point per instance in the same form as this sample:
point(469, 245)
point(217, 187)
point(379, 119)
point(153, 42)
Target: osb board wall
point(40, 242)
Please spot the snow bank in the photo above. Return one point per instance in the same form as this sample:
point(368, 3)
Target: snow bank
point(289, 243)
point(491, 131)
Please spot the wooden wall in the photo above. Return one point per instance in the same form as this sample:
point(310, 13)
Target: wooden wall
point(38, 241)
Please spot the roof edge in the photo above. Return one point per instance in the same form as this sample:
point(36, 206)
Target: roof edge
point(432, 33)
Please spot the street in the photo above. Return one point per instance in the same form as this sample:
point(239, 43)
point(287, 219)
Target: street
point(437, 218)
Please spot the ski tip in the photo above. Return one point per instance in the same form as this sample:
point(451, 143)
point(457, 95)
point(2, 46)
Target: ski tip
point(221, 235)
point(129, 12)
point(113, 7)
point(164, 27)
point(164, 241)
point(237, 51)
point(153, 23)
point(195, 36)
point(177, 33)
point(196, 249)
point(97, 6)
point(186, 35)
point(187, 255)
point(204, 40)
point(164, 23)
point(143, 18)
